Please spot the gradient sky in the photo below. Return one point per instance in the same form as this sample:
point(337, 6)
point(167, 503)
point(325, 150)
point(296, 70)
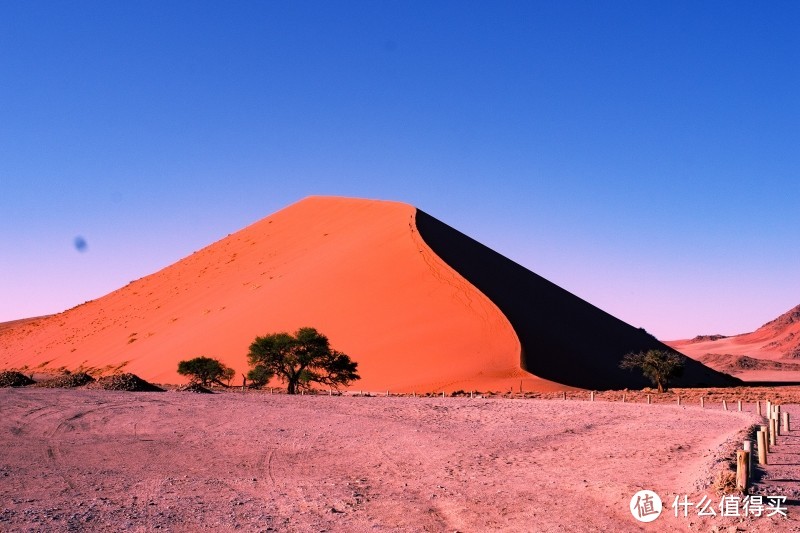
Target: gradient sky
point(643, 155)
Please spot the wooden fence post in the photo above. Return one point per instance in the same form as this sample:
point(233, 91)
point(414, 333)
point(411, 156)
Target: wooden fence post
point(591, 396)
point(748, 447)
point(772, 431)
point(765, 431)
point(724, 405)
point(740, 406)
point(758, 407)
point(702, 401)
point(742, 457)
point(623, 397)
point(648, 399)
point(786, 422)
point(679, 399)
point(761, 442)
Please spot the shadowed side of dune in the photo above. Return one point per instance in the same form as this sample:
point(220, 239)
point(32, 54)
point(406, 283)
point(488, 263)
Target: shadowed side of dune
point(563, 338)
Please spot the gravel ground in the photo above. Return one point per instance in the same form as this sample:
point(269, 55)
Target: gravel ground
point(92, 460)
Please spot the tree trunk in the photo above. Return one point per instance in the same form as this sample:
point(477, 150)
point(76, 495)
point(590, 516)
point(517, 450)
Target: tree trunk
point(292, 388)
point(660, 386)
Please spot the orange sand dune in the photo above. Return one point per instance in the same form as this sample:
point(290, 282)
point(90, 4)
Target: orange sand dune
point(770, 353)
point(360, 272)
point(20, 322)
point(354, 269)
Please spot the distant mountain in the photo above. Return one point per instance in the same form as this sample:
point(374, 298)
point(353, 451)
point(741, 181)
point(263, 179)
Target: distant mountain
point(772, 352)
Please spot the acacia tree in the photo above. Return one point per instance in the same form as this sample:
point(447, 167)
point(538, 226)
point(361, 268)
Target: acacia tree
point(300, 359)
point(205, 370)
point(259, 375)
point(228, 374)
point(659, 366)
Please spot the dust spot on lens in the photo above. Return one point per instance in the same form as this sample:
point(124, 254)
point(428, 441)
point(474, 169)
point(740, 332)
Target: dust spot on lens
point(80, 244)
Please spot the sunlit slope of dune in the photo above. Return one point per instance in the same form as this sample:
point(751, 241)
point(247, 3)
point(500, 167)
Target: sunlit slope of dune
point(354, 269)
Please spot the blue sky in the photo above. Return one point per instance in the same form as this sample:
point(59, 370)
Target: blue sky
point(643, 155)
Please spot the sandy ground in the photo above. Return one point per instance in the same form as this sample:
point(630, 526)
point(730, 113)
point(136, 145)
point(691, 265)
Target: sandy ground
point(75, 460)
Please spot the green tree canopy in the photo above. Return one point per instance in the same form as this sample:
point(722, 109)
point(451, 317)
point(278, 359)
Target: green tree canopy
point(659, 366)
point(299, 360)
point(204, 370)
point(260, 375)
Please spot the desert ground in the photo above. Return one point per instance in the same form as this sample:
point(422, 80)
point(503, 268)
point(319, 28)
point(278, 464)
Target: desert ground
point(92, 460)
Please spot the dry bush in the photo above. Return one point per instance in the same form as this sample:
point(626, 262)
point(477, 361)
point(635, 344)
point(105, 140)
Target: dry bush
point(67, 381)
point(725, 482)
point(14, 379)
point(194, 387)
point(126, 382)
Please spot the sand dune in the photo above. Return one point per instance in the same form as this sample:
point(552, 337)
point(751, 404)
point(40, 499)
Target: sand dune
point(17, 323)
point(354, 269)
point(770, 353)
point(418, 305)
point(563, 338)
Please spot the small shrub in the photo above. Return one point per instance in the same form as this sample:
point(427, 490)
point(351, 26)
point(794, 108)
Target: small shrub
point(14, 379)
point(196, 388)
point(725, 482)
point(67, 381)
point(126, 382)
